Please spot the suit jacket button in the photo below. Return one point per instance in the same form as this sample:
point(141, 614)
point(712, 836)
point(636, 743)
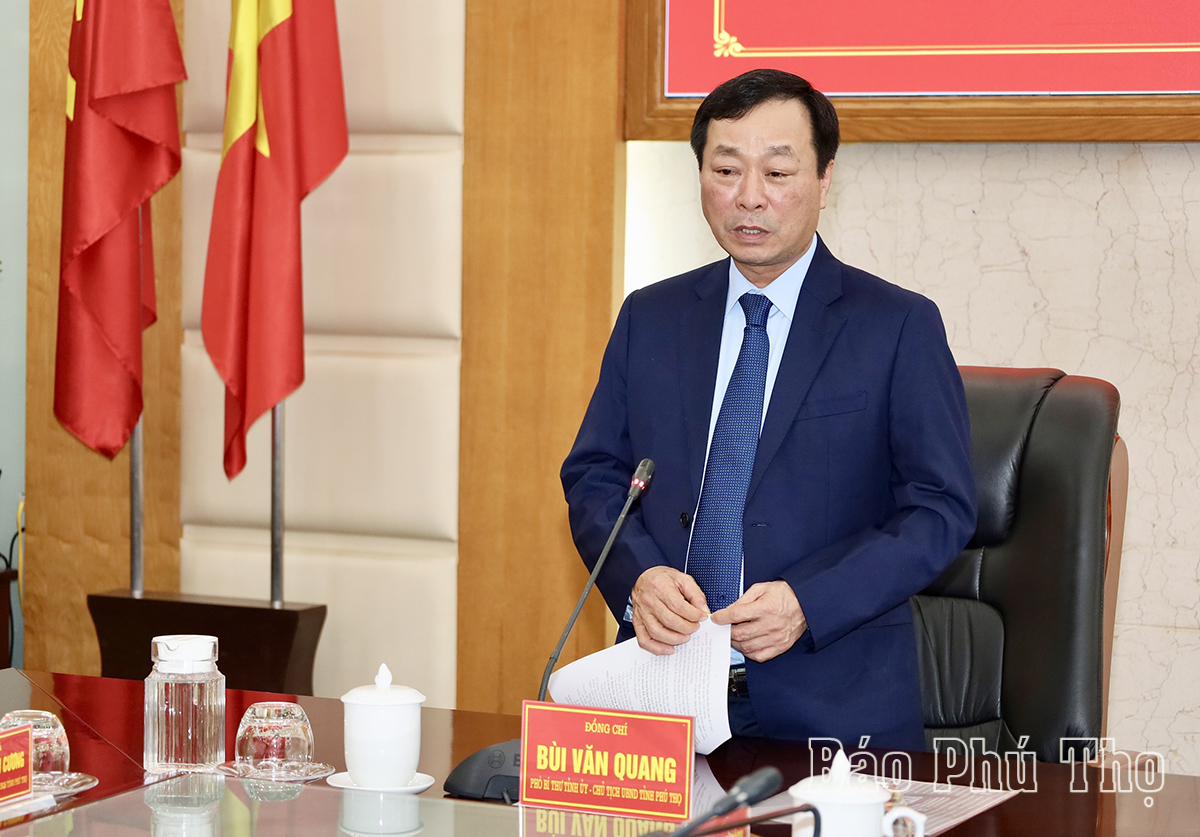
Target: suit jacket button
point(685, 520)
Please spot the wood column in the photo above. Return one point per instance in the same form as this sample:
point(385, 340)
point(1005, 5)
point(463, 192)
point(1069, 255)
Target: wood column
point(77, 509)
point(543, 215)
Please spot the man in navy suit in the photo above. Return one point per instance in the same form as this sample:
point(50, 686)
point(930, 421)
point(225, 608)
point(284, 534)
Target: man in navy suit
point(853, 488)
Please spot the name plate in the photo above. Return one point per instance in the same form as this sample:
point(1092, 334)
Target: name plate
point(16, 768)
point(607, 761)
point(544, 822)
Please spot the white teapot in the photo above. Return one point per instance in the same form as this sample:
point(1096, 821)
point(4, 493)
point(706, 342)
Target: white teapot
point(851, 805)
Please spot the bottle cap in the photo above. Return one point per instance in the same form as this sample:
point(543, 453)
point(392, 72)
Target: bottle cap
point(184, 653)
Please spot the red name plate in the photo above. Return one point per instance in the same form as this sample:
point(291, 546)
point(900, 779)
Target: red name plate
point(634, 763)
point(542, 822)
point(15, 764)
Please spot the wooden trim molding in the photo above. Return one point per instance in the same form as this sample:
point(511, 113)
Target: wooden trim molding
point(650, 115)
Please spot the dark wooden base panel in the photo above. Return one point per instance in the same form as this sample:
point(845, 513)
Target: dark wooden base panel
point(261, 648)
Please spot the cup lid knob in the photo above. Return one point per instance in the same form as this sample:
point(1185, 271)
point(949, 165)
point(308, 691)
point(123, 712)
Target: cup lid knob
point(383, 692)
point(839, 785)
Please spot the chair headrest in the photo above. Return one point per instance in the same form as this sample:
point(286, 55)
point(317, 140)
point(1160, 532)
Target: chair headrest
point(1002, 404)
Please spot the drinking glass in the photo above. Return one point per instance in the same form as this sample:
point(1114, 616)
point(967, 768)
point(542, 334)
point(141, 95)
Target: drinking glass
point(50, 751)
point(274, 733)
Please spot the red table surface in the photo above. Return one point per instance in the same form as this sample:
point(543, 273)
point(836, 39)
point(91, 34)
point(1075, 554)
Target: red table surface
point(111, 710)
point(103, 718)
point(91, 751)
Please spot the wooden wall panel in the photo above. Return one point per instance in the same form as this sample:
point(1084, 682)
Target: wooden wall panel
point(77, 510)
point(543, 207)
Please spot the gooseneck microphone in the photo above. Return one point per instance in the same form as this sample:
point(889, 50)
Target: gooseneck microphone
point(641, 479)
point(494, 772)
point(748, 790)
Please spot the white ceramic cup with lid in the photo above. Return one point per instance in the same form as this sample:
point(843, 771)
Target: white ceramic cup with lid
point(382, 733)
point(851, 805)
point(373, 812)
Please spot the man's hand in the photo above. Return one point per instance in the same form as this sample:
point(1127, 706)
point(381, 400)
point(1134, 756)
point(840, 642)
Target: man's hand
point(667, 607)
point(767, 620)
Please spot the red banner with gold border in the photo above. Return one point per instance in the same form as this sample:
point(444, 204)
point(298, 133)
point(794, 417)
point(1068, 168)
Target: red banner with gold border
point(939, 47)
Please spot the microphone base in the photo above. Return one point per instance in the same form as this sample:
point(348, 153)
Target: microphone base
point(491, 773)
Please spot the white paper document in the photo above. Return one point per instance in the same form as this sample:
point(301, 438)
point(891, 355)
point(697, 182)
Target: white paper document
point(706, 790)
point(692, 681)
point(949, 805)
point(945, 806)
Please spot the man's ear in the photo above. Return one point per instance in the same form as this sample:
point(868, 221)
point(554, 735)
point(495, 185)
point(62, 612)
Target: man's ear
point(826, 181)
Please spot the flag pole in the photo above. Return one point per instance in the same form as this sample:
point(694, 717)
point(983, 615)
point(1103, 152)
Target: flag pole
point(277, 505)
point(137, 558)
point(137, 555)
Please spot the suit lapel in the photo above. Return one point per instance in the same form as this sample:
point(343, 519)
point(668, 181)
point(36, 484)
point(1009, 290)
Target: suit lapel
point(814, 328)
point(699, 350)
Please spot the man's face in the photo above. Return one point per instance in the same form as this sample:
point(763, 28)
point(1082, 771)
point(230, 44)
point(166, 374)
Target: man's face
point(760, 190)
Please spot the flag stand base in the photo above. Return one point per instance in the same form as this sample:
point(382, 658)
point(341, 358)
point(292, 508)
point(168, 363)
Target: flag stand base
point(262, 648)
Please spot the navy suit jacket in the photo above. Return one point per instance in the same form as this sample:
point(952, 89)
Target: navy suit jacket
point(861, 494)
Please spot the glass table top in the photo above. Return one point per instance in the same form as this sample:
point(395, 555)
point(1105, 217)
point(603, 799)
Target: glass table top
point(203, 805)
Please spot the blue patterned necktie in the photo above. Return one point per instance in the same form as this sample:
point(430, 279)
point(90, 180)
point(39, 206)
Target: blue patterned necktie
point(715, 558)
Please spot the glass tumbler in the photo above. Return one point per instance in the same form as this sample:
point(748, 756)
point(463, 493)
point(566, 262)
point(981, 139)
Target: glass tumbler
point(50, 751)
point(274, 733)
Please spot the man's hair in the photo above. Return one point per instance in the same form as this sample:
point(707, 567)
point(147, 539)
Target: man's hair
point(742, 94)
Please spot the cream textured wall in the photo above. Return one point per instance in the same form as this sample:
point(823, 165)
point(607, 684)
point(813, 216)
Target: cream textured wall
point(1084, 257)
point(371, 464)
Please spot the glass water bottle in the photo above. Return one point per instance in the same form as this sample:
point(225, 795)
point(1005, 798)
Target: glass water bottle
point(185, 706)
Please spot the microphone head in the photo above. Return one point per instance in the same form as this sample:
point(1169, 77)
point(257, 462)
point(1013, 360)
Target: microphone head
point(645, 470)
point(756, 787)
point(641, 477)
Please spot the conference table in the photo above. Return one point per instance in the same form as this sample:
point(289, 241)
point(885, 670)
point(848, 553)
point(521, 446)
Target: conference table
point(103, 720)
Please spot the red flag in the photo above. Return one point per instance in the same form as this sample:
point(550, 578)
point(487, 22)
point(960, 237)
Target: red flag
point(285, 132)
point(122, 146)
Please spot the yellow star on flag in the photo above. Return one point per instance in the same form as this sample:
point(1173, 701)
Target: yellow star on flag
point(252, 20)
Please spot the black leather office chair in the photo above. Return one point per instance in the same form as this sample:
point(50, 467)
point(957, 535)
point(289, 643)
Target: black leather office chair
point(1015, 638)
